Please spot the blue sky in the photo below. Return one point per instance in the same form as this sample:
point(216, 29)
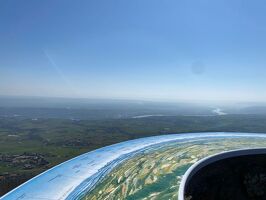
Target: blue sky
point(140, 49)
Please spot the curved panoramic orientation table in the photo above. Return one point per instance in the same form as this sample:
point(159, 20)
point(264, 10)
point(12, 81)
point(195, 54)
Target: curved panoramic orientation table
point(196, 167)
point(77, 176)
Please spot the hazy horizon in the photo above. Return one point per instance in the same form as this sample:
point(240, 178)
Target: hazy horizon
point(210, 103)
point(151, 50)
